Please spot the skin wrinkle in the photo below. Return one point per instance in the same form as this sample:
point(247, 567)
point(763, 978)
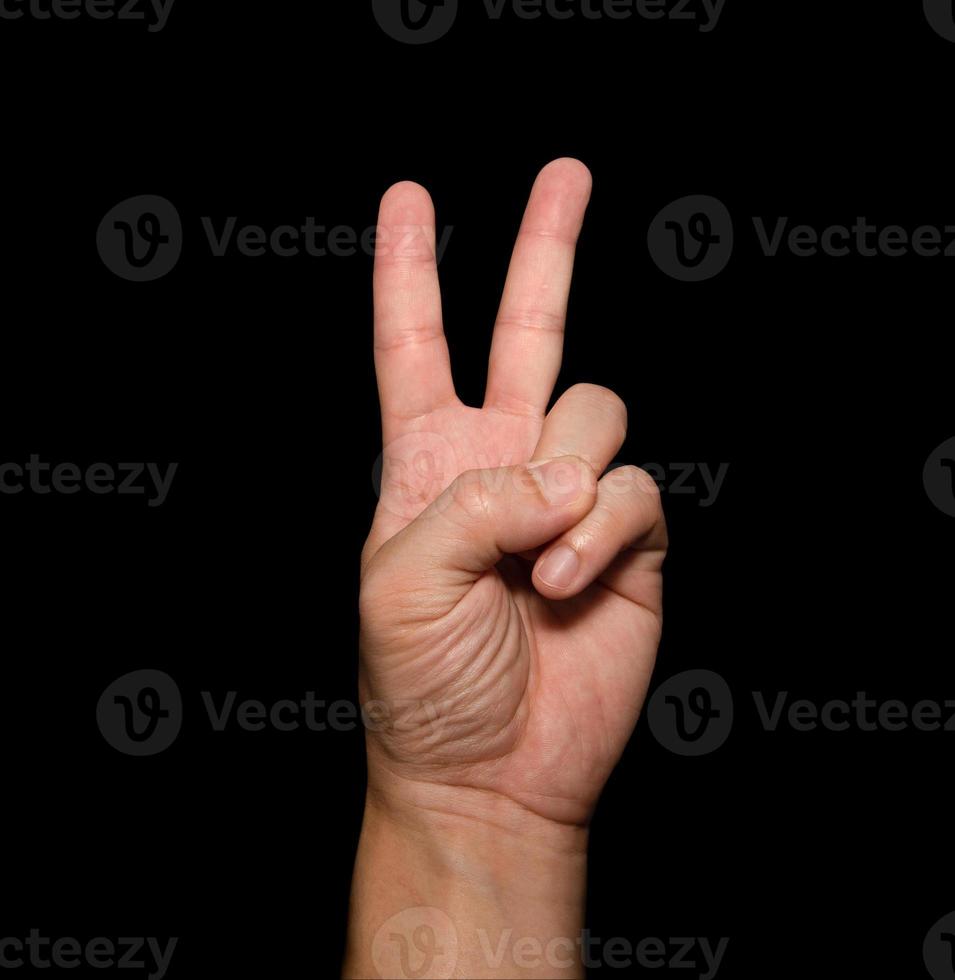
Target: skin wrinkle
point(531, 319)
point(525, 409)
point(412, 339)
point(477, 679)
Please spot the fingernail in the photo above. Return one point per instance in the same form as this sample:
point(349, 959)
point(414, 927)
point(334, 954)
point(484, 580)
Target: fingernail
point(559, 568)
point(560, 480)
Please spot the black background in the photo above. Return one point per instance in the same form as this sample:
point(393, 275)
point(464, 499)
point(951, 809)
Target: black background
point(821, 569)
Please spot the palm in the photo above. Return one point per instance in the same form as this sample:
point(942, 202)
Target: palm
point(550, 700)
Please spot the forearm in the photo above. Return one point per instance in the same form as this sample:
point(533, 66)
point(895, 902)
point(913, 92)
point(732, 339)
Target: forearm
point(440, 893)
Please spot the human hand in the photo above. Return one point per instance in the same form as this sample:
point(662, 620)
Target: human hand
point(510, 616)
point(522, 676)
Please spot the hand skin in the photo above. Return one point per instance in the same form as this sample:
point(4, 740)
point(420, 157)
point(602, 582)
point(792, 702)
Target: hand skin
point(510, 616)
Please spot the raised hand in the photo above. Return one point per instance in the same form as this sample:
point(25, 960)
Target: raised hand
point(521, 676)
point(510, 616)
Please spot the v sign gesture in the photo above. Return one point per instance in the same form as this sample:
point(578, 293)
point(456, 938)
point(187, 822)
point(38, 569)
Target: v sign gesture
point(511, 591)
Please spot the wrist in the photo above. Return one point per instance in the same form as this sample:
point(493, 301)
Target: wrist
point(469, 815)
point(461, 882)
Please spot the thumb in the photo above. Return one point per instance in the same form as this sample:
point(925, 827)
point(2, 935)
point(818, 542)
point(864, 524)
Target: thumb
point(482, 516)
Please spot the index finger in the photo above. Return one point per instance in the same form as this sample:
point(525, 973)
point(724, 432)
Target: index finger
point(528, 337)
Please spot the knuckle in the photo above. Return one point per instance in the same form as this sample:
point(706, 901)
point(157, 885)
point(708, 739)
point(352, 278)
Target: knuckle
point(472, 496)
